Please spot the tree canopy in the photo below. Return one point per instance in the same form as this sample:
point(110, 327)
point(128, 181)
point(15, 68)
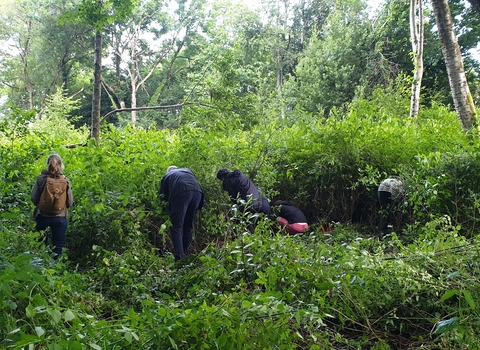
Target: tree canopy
point(233, 63)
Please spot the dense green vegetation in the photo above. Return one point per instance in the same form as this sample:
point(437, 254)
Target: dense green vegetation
point(119, 287)
point(308, 98)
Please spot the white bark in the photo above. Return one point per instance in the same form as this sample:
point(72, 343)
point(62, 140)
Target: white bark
point(416, 34)
point(462, 97)
point(97, 87)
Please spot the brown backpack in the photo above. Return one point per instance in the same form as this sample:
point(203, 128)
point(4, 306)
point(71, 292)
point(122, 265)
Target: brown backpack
point(54, 196)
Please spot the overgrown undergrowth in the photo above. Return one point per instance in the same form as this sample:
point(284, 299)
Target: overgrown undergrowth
point(118, 286)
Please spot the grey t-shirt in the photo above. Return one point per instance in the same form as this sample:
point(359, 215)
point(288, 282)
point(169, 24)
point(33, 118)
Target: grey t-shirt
point(394, 186)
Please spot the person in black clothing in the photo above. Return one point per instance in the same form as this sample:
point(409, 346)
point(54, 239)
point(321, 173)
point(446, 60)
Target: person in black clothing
point(241, 187)
point(290, 217)
point(181, 190)
point(391, 194)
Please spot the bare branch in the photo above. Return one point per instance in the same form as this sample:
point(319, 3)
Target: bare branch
point(150, 108)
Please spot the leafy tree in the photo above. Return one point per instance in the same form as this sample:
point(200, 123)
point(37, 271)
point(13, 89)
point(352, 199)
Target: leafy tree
point(38, 54)
point(152, 40)
point(392, 41)
point(55, 121)
point(332, 66)
point(226, 70)
point(98, 14)
point(289, 28)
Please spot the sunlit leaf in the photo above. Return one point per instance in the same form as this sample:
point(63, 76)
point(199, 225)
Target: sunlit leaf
point(40, 331)
point(447, 325)
point(68, 316)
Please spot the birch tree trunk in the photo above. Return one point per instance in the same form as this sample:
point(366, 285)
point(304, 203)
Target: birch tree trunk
point(134, 98)
point(416, 34)
point(462, 97)
point(279, 61)
point(25, 47)
point(97, 87)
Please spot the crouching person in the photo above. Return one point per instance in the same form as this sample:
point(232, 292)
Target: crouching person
point(391, 194)
point(290, 217)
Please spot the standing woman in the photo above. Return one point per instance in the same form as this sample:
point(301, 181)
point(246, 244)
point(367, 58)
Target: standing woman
point(52, 196)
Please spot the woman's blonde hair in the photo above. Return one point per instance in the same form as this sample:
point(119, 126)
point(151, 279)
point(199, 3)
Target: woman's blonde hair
point(55, 165)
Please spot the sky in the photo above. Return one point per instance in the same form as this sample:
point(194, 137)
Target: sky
point(254, 4)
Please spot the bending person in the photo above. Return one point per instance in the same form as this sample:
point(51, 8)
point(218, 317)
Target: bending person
point(290, 217)
point(241, 187)
point(181, 190)
point(390, 194)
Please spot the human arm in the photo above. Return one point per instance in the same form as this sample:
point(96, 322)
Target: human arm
point(69, 194)
point(38, 189)
point(163, 192)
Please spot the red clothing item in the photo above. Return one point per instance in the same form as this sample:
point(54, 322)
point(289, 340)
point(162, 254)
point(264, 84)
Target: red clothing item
point(292, 228)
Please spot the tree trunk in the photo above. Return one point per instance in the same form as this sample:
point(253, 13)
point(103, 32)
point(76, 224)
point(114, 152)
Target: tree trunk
point(416, 34)
point(134, 102)
point(97, 87)
point(24, 54)
point(462, 97)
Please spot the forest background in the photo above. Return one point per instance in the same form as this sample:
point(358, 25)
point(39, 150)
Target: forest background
point(311, 99)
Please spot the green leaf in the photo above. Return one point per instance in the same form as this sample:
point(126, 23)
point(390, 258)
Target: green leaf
point(128, 336)
point(324, 286)
point(246, 304)
point(14, 331)
point(174, 345)
point(449, 294)
point(469, 299)
point(95, 346)
point(30, 311)
point(25, 340)
point(447, 325)
point(68, 316)
point(40, 331)
point(222, 340)
point(55, 314)
point(8, 215)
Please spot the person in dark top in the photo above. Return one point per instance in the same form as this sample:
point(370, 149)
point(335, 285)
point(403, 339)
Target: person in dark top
point(290, 217)
point(181, 190)
point(58, 221)
point(391, 193)
point(241, 187)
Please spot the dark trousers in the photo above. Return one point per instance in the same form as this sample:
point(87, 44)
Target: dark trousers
point(387, 207)
point(58, 226)
point(183, 209)
point(265, 206)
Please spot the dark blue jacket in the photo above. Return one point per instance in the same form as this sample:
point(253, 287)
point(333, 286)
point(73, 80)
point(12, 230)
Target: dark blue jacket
point(289, 212)
point(239, 186)
point(177, 181)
